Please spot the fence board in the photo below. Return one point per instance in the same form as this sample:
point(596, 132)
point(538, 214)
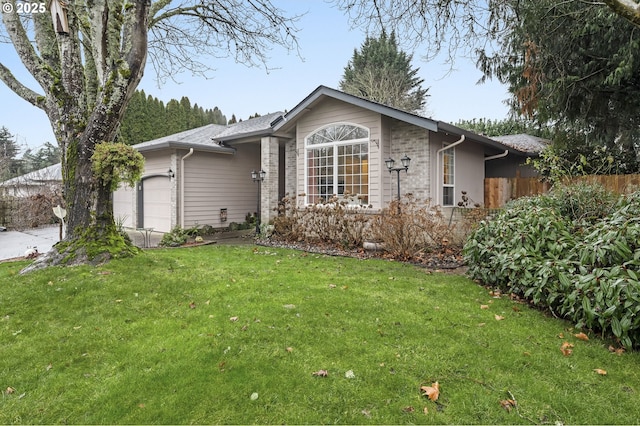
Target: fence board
point(499, 191)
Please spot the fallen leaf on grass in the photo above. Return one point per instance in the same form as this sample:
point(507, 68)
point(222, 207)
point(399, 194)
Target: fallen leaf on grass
point(508, 404)
point(233, 319)
point(192, 305)
point(49, 367)
point(582, 336)
point(425, 411)
point(617, 351)
point(484, 306)
point(320, 373)
point(408, 409)
point(432, 392)
point(254, 396)
point(10, 390)
point(289, 349)
point(600, 371)
point(566, 348)
point(349, 374)
point(498, 317)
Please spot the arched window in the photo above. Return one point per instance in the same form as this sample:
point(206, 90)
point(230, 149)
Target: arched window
point(337, 158)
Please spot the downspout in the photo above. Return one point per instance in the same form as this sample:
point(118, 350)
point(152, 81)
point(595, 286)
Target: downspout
point(495, 157)
point(438, 175)
point(189, 154)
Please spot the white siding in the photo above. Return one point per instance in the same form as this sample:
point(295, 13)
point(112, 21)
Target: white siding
point(124, 201)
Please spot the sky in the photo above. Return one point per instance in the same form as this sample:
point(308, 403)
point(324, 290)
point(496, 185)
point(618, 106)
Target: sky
point(326, 43)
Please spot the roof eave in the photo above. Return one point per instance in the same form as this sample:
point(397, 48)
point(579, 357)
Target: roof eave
point(186, 145)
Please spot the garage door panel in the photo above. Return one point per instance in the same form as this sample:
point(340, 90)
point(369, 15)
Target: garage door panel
point(157, 203)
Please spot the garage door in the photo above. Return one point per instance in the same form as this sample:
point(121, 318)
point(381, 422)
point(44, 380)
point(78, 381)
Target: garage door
point(156, 200)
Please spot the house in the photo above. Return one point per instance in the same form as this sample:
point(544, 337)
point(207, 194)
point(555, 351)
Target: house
point(32, 183)
point(330, 143)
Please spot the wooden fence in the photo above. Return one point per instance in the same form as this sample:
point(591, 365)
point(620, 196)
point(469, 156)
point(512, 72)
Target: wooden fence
point(498, 191)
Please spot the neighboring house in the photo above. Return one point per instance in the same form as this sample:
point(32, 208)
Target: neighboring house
point(46, 179)
point(330, 143)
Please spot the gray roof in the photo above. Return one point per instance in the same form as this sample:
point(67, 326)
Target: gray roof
point(523, 142)
point(259, 126)
point(283, 124)
point(38, 177)
point(200, 138)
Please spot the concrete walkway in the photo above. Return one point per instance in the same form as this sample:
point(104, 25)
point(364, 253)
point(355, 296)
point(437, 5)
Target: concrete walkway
point(15, 243)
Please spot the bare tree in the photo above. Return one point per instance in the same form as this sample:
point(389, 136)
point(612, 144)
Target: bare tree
point(88, 58)
point(451, 26)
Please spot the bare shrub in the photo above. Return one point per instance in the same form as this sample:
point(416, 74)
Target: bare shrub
point(34, 210)
point(334, 222)
point(409, 227)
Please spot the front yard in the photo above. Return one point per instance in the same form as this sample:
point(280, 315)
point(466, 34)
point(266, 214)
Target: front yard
point(245, 334)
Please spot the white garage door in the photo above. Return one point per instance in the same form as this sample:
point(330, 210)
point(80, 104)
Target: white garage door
point(157, 203)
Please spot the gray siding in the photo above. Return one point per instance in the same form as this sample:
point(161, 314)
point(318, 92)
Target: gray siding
point(334, 111)
point(217, 181)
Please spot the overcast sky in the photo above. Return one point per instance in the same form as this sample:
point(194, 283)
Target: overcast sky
point(327, 43)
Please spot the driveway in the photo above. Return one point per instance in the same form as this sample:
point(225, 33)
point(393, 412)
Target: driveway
point(14, 243)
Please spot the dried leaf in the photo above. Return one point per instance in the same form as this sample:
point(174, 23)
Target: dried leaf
point(10, 390)
point(289, 349)
point(254, 396)
point(432, 392)
point(498, 317)
point(320, 373)
point(566, 348)
point(349, 374)
point(49, 367)
point(408, 409)
point(508, 404)
point(582, 336)
point(484, 306)
point(600, 371)
point(617, 351)
point(233, 319)
point(425, 411)
point(192, 305)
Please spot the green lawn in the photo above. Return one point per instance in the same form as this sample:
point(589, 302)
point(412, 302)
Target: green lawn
point(232, 335)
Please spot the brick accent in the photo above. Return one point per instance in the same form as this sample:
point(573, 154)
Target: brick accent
point(414, 142)
point(269, 160)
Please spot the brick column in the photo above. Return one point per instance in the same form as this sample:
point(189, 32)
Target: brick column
point(269, 160)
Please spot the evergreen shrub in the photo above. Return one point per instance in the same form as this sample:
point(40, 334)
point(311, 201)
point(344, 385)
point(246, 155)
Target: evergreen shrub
point(574, 251)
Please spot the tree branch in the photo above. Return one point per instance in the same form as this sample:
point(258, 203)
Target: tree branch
point(20, 89)
point(628, 9)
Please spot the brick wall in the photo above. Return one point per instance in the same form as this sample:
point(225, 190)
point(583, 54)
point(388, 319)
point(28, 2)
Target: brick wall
point(414, 142)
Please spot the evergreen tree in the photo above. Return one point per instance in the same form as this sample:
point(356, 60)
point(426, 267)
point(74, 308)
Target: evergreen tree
point(9, 165)
point(46, 156)
point(233, 120)
point(381, 72)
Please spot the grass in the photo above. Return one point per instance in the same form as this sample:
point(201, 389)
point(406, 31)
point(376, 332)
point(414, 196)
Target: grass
point(189, 335)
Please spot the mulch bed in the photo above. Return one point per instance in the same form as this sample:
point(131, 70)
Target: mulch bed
point(447, 260)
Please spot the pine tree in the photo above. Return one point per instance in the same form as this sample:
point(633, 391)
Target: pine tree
point(381, 72)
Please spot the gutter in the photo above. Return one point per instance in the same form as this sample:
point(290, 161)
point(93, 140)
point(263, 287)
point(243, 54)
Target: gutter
point(438, 175)
point(189, 154)
point(495, 157)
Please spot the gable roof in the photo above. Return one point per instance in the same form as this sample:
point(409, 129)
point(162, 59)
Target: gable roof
point(200, 138)
point(47, 175)
point(284, 122)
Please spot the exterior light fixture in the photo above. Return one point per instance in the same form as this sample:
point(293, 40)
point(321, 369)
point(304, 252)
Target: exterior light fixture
point(390, 162)
point(171, 174)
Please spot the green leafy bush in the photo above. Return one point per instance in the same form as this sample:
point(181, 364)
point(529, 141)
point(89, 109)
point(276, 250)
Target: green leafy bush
point(574, 251)
point(177, 237)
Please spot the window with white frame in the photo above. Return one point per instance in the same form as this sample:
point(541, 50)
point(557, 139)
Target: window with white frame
point(337, 158)
point(448, 176)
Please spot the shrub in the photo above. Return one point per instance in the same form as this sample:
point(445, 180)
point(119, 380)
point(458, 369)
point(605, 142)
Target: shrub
point(333, 222)
point(409, 227)
point(574, 251)
point(175, 238)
